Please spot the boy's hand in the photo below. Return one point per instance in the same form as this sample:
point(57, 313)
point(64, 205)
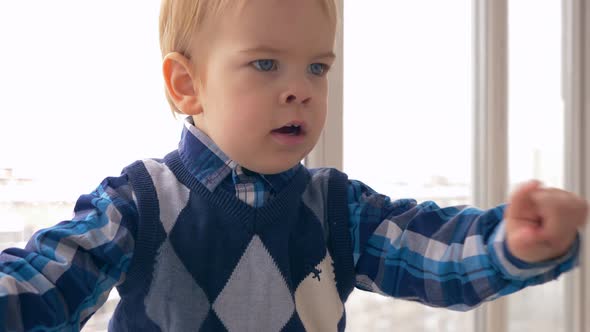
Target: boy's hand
point(542, 223)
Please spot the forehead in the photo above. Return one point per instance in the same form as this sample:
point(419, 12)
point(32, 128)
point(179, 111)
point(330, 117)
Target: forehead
point(277, 23)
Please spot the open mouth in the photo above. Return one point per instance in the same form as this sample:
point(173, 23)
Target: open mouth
point(292, 134)
point(290, 130)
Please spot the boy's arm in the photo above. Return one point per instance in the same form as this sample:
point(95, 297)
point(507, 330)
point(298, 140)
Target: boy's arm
point(454, 257)
point(66, 272)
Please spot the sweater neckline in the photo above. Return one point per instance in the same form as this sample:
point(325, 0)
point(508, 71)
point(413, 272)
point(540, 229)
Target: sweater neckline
point(254, 219)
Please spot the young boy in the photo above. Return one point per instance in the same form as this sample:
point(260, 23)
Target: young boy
point(231, 233)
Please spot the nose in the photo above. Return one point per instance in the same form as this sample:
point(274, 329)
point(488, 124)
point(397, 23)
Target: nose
point(298, 92)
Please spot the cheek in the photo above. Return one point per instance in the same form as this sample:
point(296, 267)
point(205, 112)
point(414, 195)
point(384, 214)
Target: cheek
point(322, 115)
point(319, 124)
point(321, 105)
point(242, 118)
point(248, 106)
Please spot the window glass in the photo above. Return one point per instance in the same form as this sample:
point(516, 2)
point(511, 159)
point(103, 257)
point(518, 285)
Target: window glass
point(408, 125)
point(536, 136)
point(82, 97)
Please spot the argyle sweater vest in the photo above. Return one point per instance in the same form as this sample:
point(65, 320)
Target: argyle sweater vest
point(206, 261)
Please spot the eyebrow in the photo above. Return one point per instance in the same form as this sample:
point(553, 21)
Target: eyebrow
point(272, 50)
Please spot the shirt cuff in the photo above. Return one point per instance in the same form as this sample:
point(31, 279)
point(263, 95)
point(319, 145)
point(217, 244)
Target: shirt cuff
point(515, 268)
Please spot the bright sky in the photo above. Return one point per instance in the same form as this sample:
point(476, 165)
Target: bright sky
point(81, 92)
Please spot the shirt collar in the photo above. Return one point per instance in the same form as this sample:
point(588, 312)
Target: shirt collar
point(211, 166)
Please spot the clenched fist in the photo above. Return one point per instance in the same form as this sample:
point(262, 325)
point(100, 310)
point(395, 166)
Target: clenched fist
point(542, 223)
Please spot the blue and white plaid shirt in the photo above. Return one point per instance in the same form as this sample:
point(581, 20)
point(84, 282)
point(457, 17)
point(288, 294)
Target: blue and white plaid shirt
point(454, 257)
point(212, 167)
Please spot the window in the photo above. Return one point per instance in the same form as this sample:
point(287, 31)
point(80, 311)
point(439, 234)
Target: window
point(539, 35)
point(407, 125)
point(536, 107)
point(77, 91)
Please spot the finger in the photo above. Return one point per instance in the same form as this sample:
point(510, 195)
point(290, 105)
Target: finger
point(526, 244)
point(521, 205)
point(560, 212)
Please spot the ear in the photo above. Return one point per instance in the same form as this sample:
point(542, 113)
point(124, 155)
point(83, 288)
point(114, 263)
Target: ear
point(180, 83)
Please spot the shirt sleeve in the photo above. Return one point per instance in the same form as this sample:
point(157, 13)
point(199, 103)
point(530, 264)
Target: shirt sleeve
point(65, 273)
point(453, 257)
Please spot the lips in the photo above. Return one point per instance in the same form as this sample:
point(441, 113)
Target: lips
point(291, 129)
point(292, 134)
point(288, 130)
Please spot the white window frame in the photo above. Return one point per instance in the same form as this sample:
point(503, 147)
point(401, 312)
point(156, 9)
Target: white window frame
point(490, 147)
point(576, 94)
point(490, 134)
point(329, 150)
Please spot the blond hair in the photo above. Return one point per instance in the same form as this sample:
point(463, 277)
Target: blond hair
point(182, 20)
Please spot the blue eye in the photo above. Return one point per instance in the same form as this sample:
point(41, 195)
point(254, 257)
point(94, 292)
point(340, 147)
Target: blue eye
point(265, 64)
point(318, 68)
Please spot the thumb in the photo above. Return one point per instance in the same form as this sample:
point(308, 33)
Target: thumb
point(521, 203)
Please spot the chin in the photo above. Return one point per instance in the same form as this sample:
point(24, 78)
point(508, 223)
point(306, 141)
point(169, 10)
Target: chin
point(273, 168)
